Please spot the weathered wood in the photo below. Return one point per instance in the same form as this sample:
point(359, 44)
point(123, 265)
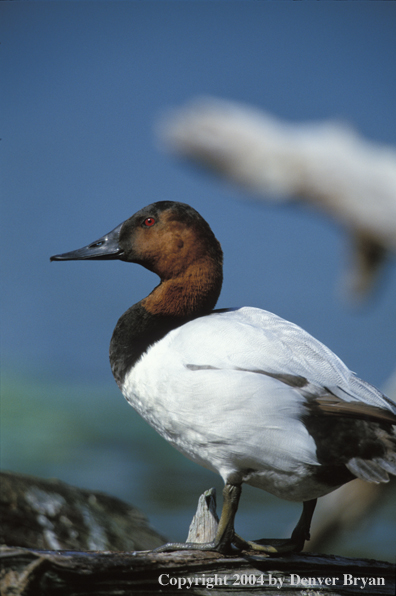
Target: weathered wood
point(205, 521)
point(41, 572)
point(327, 165)
point(49, 514)
point(31, 572)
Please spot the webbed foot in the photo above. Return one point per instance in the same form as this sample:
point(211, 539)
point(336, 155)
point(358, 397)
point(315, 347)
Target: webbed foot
point(213, 546)
point(226, 537)
point(225, 531)
point(268, 547)
point(274, 547)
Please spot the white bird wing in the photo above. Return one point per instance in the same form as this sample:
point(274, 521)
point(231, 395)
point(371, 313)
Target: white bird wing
point(255, 340)
point(235, 391)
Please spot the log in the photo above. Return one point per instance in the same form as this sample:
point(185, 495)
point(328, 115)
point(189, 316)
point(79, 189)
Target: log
point(51, 515)
point(42, 572)
point(28, 572)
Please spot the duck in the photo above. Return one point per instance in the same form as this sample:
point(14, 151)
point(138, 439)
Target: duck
point(240, 391)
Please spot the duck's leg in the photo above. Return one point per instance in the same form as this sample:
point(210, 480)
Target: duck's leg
point(295, 544)
point(225, 531)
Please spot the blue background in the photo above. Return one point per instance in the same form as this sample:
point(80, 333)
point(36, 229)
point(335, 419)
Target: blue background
point(83, 85)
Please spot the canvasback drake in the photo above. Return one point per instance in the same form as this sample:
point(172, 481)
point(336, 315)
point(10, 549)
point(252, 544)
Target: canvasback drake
point(240, 391)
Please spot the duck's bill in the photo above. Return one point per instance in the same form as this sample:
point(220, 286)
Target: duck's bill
point(106, 247)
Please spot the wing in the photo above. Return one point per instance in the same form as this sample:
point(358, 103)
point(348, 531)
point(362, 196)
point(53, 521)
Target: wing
point(255, 340)
point(351, 422)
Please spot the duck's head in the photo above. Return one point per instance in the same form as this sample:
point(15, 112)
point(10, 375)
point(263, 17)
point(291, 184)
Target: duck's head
point(169, 238)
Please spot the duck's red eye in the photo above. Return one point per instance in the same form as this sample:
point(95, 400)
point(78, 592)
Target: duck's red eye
point(149, 221)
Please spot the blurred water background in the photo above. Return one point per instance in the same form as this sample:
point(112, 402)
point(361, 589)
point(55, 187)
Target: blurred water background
point(83, 85)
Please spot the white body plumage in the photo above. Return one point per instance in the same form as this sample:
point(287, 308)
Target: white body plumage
point(206, 388)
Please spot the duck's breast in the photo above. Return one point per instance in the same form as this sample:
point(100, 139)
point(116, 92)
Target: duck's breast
point(201, 387)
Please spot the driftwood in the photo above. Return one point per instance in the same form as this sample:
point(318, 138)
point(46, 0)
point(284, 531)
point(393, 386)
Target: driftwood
point(42, 572)
point(328, 165)
point(49, 514)
point(31, 572)
point(205, 521)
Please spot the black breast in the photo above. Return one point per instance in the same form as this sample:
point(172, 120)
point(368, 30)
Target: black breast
point(134, 333)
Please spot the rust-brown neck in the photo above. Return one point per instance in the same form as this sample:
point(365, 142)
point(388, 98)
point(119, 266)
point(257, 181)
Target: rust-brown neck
point(192, 294)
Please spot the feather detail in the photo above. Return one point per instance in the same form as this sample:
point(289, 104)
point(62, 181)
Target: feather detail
point(369, 470)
